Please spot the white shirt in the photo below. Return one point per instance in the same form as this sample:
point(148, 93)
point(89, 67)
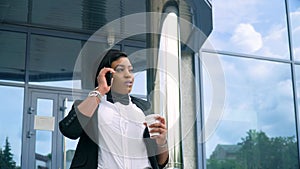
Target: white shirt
point(121, 130)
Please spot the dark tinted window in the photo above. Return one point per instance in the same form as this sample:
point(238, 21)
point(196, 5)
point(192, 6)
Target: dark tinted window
point(12, 56)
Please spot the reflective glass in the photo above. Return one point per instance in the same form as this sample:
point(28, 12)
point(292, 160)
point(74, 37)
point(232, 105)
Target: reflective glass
point(87, 64)
point(76, 14)
point(132, 6)
point(70, 145)
point(12, 54)
point(140, 84)
point(52, 60)
point(43, 147)
point(298, 86)
point(137, 57)
point(13, 10)
point(257, 128)
point(250, 27)
point(11, 108)
point(295, 29)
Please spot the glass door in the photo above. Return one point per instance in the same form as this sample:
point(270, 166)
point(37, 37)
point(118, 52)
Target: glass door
point(69, 145)
point(47, 148)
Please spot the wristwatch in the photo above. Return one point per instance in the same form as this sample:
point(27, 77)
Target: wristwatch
point(95, 93)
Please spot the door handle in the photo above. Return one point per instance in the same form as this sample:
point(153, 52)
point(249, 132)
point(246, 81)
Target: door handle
point(30, 134)
point(64, 107)
point(31, 110)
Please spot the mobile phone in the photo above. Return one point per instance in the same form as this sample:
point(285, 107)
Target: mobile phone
point(108, 77)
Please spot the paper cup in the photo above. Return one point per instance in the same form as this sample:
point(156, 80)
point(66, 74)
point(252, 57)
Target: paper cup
point(151, 119)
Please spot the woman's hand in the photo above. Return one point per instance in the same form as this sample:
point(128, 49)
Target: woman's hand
point(160, 128)
point(103, 88)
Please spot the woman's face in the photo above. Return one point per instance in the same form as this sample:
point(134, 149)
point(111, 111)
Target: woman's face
point(123, 77)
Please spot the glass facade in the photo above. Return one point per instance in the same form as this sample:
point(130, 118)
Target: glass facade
point(43, 145)
point(12, 52)
point(11, 108)
point(80, 15)
point(259, 103)
point(259, 50)
point(14, 11)
point(251, 27)
point(40, 44)
point(294, 13)
point(258, 127)
point(52, 60)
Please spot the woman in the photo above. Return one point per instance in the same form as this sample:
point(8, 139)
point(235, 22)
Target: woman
point(111, 128)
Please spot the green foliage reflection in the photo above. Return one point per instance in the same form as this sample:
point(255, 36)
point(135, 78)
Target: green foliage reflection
point(6, 157)
point(256, 151)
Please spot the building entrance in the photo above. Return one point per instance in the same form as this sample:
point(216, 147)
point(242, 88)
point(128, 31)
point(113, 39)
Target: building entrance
point(44, 147)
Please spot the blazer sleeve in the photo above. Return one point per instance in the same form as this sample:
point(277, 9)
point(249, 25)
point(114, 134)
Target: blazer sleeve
point(73, 124)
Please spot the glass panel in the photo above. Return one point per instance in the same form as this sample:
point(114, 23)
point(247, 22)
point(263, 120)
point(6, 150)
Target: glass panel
point(295, 22)
point(80, 14)
point(257, 128)
point(87, 63)
point(70, 145)
point(133, 6)
point(138, 58)
point(12, 53)
point(250, 27)
point(52, 60)
point(140, 84)
point(43, 147)
point(11, 108)
point(13, 10)
point(298, 86)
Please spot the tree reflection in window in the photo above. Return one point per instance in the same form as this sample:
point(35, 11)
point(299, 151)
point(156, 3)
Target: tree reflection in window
point(256, 151)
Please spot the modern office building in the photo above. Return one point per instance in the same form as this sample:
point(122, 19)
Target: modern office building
point(232, 78)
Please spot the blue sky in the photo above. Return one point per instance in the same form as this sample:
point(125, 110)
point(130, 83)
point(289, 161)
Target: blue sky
point(11, 108)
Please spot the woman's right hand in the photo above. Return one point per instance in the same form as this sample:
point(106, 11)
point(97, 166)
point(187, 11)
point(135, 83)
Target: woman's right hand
point(103, 88)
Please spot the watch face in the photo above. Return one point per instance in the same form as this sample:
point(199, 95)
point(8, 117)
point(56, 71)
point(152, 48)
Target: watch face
point(92, 93)
point(95, 94)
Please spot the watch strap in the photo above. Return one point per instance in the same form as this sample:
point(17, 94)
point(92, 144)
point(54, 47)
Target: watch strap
point(95, 93)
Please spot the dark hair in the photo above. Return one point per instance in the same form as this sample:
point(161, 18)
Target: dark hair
point(110, 56)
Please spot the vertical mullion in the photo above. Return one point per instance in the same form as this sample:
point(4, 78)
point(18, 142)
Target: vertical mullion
point(26, 105)
point(293, 73)
point(200, 111)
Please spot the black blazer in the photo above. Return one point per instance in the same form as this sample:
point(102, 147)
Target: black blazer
point(76, 125)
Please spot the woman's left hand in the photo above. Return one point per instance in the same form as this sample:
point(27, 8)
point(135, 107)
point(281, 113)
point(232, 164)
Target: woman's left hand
point(160, 128)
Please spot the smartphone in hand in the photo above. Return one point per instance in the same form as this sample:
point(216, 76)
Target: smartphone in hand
point(108, 77)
